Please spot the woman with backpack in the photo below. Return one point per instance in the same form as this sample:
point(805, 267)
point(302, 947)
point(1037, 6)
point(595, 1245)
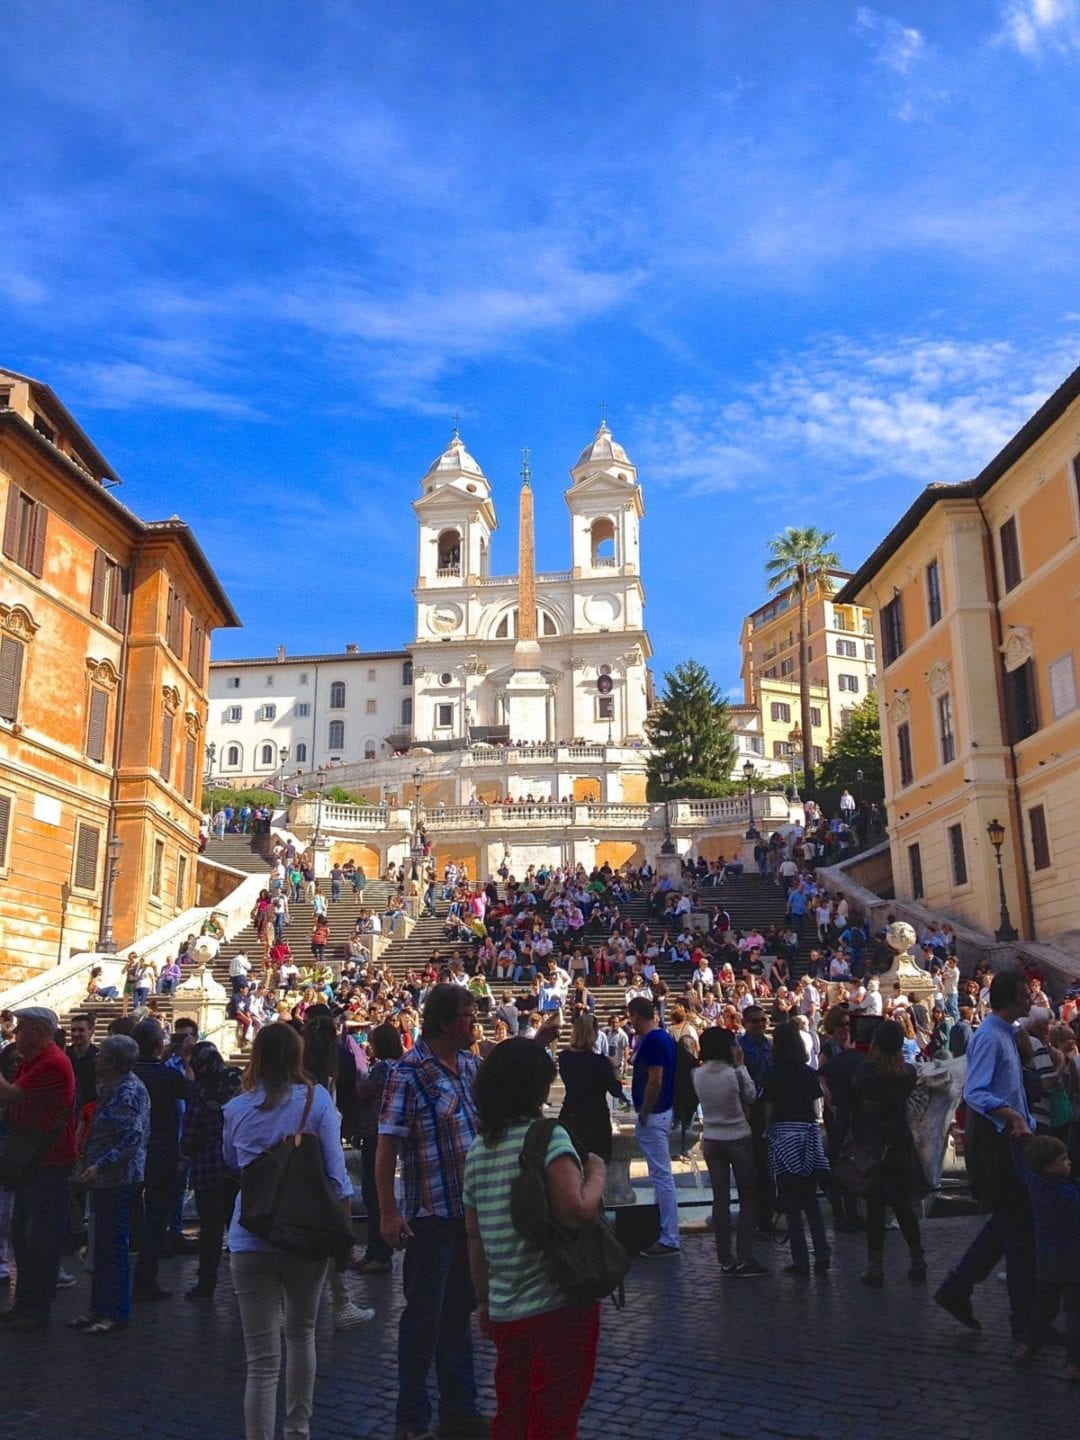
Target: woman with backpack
point(545, 1344)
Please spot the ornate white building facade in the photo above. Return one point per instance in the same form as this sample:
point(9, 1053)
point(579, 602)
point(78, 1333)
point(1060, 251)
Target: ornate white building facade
point(446, 692)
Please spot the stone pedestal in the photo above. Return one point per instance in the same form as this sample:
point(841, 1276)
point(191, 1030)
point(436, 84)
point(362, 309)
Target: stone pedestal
point(617, 1187)
point(669, 867)
point(526, 705)
point(912, 980)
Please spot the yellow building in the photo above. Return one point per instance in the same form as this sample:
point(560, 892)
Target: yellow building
point(976, 597)
point(843, 667)
point(104, 644)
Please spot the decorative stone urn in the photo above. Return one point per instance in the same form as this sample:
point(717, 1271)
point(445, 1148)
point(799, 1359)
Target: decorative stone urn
point(913, 980)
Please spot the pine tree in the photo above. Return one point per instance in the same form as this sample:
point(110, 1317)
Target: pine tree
point(690, 730)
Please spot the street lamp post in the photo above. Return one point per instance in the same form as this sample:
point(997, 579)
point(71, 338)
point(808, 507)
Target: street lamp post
point(416, 849)
point(752, 832)
point(211, 756)
point(668, 847)
point(858, 783)
point(320, 781)
point(107, 944)
point(794, 747)
point(284, 754)
point(1006, 929)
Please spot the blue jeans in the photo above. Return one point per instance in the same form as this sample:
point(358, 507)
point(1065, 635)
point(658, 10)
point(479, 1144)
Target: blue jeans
point(798, 1196)
point(436, 1324)
point(139, 995)
point(110, 1289)
point(38, 1227)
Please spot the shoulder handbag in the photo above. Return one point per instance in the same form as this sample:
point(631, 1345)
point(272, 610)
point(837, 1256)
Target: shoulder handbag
point(589, 1262)
point(287, 1200)
point(857, 1168)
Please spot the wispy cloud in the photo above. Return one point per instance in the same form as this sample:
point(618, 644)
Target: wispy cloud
point(916, 408)
point(1033, 26)
point(127, 385)
point(897, 46)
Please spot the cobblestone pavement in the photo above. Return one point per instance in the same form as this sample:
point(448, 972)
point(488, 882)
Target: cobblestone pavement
point(692, 1355)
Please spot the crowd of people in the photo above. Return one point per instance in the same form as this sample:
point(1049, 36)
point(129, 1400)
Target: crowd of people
point(433, 1078)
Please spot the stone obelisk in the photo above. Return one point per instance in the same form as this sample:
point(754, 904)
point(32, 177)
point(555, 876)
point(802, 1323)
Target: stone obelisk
point(527, 690)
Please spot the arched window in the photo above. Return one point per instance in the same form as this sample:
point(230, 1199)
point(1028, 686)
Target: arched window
point(266, 754)
point(406, 673)
point(507, 626)
point(337, 695)
point(502, 631)
point(602, 536)
point(301, 753)
point(369, 751)
point(450, 552)
point(336, 738)
point(232, 757)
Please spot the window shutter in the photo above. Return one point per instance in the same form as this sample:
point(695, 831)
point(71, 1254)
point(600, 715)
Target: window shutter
point(86, 853)
point(97, 585)
point(11, 663)
point(118, 601)
point(166, 747)
point(97, 725)
point(37, 541)
point(11, 522)
point(189, 769)
point(5, 827)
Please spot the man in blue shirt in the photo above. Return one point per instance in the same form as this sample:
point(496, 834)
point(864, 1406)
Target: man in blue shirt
point(997, 1113)
point(653, 1094)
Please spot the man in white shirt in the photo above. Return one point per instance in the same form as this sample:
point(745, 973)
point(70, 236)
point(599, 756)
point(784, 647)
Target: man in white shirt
point(239, 970)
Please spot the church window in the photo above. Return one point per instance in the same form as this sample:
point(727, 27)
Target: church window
point(602, 536)
point(450, 552)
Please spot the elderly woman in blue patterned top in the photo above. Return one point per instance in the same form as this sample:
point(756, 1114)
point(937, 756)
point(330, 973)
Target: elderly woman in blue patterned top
point(112, 1165)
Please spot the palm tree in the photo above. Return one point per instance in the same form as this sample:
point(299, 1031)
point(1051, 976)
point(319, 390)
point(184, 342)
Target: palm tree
point(801, 562)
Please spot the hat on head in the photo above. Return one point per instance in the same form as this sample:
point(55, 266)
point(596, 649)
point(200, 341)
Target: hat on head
point(41, 1014)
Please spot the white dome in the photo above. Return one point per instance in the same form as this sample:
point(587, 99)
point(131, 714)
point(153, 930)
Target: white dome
point(604, 450)
point(455, 458)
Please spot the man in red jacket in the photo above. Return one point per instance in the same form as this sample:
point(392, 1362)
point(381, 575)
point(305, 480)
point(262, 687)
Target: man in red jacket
point(41, 1101)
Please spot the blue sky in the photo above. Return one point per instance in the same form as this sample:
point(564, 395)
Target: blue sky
point(812, 254)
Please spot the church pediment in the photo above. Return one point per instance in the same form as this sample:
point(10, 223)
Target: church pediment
point(604, 488)
point(452, 500)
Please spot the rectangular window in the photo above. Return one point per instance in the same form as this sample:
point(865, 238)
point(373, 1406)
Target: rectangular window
point(818, 755)
point(108, 590)
point(915, 867)
point(780, 711)
point(302, 709)
point(11, 669)
point(87, 841)
point(444, 716)
point(181, 879)
point(870, 650)
point(605, 707)
point(780, 749)
point(945, 729)
point(266, 712)
point(815, 715)
point(190, 758)
point(174, 624)
point(370, 707)
point(371, 677)
point(787, 667)
point(1010, 554)
point(232, 713)
point(1022, 701)
point(165, 767)
point(1040, 839)
point(847, 648)
point(97, 724)
point(406, 711)
point(933, 592)
point(849, 683)
point(232, 682)
point(1061, 674)
point(303, 677)
point(956, 855)
point(25, 523)
point(892, 630)
point(336, 734)
point(5, 828)
point(770, 673)
point(196, 649)
point(903, 751)
point(156, 869)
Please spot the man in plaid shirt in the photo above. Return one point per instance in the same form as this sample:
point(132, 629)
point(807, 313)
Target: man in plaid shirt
point(429, 1119)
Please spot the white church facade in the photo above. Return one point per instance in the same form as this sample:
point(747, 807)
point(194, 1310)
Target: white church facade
point(472, 682)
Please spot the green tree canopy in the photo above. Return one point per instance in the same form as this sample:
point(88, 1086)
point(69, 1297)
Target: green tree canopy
point(690, 730)
point(801, 561)
point(857, 747)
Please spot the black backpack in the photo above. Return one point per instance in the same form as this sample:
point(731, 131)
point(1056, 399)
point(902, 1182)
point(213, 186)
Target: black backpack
point(589, 1262)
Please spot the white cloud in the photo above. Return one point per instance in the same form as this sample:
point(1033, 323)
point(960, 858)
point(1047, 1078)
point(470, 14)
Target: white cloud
point(1032, 25)
point(898, 46)
point(845, 414)
point(128, 385)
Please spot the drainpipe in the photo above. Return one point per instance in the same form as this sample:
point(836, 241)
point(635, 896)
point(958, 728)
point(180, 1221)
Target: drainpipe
point(1027, 903)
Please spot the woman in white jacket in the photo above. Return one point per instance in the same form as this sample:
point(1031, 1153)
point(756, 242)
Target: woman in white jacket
point(725, 1093)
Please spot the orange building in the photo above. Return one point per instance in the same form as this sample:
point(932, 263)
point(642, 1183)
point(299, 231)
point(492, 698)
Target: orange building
point(105, 622)
point(976, 599)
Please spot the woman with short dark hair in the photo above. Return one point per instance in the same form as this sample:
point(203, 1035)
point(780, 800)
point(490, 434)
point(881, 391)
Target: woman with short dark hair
point(545, 1344)
point(796, 1152)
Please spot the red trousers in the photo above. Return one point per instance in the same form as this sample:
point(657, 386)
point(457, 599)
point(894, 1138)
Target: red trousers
point(544, 1370)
